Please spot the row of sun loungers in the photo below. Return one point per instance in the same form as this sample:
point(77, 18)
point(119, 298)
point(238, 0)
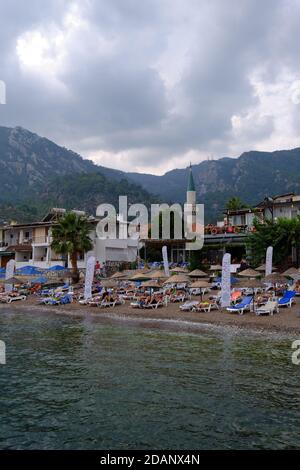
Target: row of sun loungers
point(270, 307)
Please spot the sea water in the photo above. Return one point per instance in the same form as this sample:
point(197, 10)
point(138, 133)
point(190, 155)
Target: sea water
point(72, 383)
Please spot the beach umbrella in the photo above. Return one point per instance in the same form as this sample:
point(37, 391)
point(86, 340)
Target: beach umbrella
point(261, 268)
point(215, 267)
point(28, 271)
point(157, 275)
point(118, 275)
point(140, 277)
point(290, 271)
point(249, 273)
point(276, 278)
point(251, 283)
point(233, 280)
point(144, 270)
point(109, 283)
point(197, 273)
point(39, 280)
point(295, 277)
point(151, 283)
point(201, 284)
point(179, 269)
point(178, 279)
point(57, 267)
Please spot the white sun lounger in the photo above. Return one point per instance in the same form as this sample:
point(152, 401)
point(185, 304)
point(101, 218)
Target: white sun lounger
point(269, 308)
point(9, 300)
point(188, 305)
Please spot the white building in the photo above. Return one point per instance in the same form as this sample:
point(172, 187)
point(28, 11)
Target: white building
point(30, 244)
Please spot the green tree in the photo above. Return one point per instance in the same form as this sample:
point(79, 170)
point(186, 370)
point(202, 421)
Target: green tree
point(235, 203)
point(71, 237)
point(283, 235)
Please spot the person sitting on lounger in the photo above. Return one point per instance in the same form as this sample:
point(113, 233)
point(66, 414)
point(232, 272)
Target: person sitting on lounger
point(153, 301)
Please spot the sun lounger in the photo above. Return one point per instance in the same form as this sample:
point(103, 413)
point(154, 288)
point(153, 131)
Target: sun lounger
point(269, 308)
point(97, 298)
point(9, 299)
point(153, 306)
point(107, 304)
point(242, 306)
point(58, 300)
point(188, 305)
point(178, 298)
point(205, 307)
point(287, 299)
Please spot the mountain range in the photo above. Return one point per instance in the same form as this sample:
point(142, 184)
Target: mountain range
point(35, 174)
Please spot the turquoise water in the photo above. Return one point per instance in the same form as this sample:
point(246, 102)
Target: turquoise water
point(83, 384)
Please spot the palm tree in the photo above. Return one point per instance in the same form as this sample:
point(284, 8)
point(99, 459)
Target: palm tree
point(71, 237)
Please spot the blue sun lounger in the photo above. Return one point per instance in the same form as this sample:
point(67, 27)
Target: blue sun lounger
point(243, 305)
point(287, 299)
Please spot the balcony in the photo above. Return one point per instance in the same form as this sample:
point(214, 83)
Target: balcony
point(44, 240)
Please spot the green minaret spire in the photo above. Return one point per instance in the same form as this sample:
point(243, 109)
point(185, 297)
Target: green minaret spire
point(191, 184)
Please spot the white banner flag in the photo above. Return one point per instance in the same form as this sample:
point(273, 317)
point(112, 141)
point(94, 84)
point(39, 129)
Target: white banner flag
point(165, 259)
point(225, 283)
point(269, 257)
point(10, 270)
point(89, 277)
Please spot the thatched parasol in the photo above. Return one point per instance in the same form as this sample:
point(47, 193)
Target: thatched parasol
point(295, 277)
point(290, 271)
point(118, 275)
point(197, 273)
point(249, 273)
point(151, 284)
point(179, 270)
point(157, 275)
point(140, 277)
point(215, 267)
point(178, 279)
point(275, 278)
point(261, 268)
point(201, 284)
point(250, 283)
point(109, 283)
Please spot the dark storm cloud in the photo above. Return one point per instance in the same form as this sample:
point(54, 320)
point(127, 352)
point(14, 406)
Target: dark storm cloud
point(148, 83)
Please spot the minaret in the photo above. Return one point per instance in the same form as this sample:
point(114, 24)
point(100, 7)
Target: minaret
point(191, 191)
point(191, 197)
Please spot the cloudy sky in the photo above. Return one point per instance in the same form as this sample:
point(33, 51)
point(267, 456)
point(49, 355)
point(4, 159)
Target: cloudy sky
point(149, 85)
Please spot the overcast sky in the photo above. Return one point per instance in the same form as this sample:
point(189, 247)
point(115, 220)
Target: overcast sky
point(150, 85)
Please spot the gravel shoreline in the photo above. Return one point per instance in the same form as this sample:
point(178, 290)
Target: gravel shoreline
point(286, 321)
